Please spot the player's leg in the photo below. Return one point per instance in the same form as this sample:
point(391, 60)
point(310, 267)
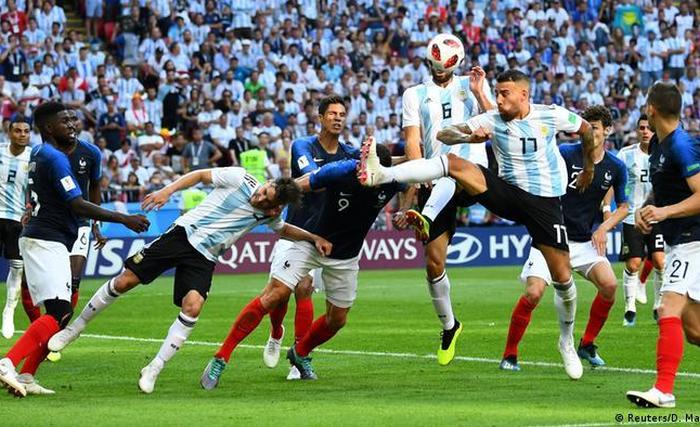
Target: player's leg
point(440, 195)
point(691, 322)
point(630, 285)
point(655, 247)
point(9, 241)
point(78, 257)
point(602, 276)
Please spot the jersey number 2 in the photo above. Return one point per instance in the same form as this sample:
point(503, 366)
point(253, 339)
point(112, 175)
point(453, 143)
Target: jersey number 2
point(11, 175)
point(446, 111)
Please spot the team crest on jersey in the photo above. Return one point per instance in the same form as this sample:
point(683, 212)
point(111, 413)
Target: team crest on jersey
point(462, 94)
point(606, 183)
point(545, 130)
point(82, 165)
point(138, 258)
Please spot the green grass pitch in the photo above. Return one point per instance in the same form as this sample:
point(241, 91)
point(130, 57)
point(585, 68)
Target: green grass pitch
point(379, 372)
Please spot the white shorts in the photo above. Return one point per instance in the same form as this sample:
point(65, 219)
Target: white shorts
point(339, 275)
point(282, 246)
point(82, 243)
point(682, 272)
point(47, 266)
point(583, 257)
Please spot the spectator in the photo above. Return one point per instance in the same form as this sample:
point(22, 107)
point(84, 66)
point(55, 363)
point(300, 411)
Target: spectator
point(199, 154)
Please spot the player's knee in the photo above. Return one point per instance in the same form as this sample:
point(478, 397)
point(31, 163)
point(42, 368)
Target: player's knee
point(658, 263)
point(192, 304)
point(126, 281)
point(304, 288)
point(434, 266)
point(337, 320)
point(692, 334)
point(561, 275)
point(533, 294)
point(632, 265)
point(274, 295)
point(60, 310)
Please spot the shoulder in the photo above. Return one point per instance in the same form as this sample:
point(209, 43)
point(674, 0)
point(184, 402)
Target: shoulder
point(628, 149)
point(571, 149)
point(91, 148)
point(615, 160)
point(349, 149)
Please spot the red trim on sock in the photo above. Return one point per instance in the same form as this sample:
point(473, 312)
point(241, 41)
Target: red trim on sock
point(34, 338)
point(317, 335)
point(647, 267)
point(600, 308)
point(519, 320)
point(669, 352)
point(74, 299)
point(248, 319)
point(276, 319)
point(33, 312)
point(303, 317)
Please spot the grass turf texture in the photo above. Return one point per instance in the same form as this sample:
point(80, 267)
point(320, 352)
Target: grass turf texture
point(96, 379)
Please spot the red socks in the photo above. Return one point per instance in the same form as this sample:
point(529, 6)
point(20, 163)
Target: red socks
point(646, 270)
point(303, 318)
point(317, 335)
point(34, 339)
point(596, 319)
point(31, 363)
point(248, 319)
point(74, 299)
point(33, 312)
point(276, 319)
point(669, 352)
point(518, 324)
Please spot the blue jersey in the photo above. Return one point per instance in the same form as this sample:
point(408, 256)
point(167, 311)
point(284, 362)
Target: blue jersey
point(307, 156)
point(671, 161)
point(52, 186)
point(581, 209)
point(350, 209)
point(86, 163)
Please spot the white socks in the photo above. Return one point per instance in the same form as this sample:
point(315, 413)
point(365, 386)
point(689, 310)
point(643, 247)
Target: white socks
point(630, 282)
point(102, 299)
point(565, 304)
point(439, 290)
point(658, 281)
point(177, 335)
point(14, 282)
point(440, 196)
point(416, 171)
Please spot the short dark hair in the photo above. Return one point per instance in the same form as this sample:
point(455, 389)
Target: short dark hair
point(325, 102)
point(287, 191)
point(642, 117)
point(384, 155)
point(597, 113)
point(513, 75)
point(666, 99)
point(19, 120)
point(45, 111)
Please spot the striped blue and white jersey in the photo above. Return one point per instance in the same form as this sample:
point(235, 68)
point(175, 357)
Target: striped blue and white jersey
point(638, 179)
point(14, 179)
point(226, 214)
point(526, 149)
point(432, 108)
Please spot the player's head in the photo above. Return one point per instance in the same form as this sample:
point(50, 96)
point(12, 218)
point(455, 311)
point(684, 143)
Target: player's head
point(19, 131)
point(384, 155)
point(600, 120)
point(273, 195)
point(663, 103)
point(512, 93)
point(54, 123)
point(444, 54)
point(332, 112)
point(644, 132)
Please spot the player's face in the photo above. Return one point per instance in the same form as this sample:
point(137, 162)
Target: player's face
point(265, 199)
point(63, 128)
point(440, 76)
point(644, 132)
point(600, 132)
point(19, 134)
point(333, 120)
point(510, 98)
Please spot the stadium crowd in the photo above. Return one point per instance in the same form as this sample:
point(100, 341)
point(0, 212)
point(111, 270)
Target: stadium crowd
point(164, 87)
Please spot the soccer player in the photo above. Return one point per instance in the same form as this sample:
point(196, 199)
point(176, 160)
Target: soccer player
point(635, 245)
point(45, 240)
point(192, 246)
point(532, 173)
point(86, 164)
point(587, 252)
point(674, 203)
point(348, 214)
point(14, 176)
point(428, 108)
point(307, 155)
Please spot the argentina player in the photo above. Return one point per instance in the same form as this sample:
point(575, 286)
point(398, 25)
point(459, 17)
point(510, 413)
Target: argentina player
point(587, 252)
point(45, 240)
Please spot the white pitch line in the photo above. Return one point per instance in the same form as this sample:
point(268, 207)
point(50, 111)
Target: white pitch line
point(394, 355)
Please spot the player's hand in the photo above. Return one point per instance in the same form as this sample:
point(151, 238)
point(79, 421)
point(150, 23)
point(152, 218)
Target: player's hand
point(454, 134)
point(25, 217)
point(479, 135)
point(399, 220)
point(640, 223)
point(137, 223)
point(584, 179)
point(323, 246)
point(476, 79)
point(100, 240)
point(599, 240)
point(155, 200)
point(652, 215)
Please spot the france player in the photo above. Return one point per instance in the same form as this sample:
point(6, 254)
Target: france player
point(674, 204)
point(14, 176)
point(428, 108)
point(45, 240)
point(192, 246)
point(636, 245)
point(587, 251)
point(348, 214)
point(532, 173)
point(307, 155)
point(86, 164)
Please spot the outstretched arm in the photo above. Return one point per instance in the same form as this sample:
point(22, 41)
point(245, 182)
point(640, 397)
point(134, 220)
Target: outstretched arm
point(585, 178)
point(292, 232)
point(85, 209)
point(159, 198)
point(460, 134)
point(339, 172)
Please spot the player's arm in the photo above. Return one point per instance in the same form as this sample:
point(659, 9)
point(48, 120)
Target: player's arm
point(481, 89)
point(85, 209)
point(95, 196)
point(605, 206)
point(639, 222)
point(292, 232)
point(303, 157)
point(157, 199)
